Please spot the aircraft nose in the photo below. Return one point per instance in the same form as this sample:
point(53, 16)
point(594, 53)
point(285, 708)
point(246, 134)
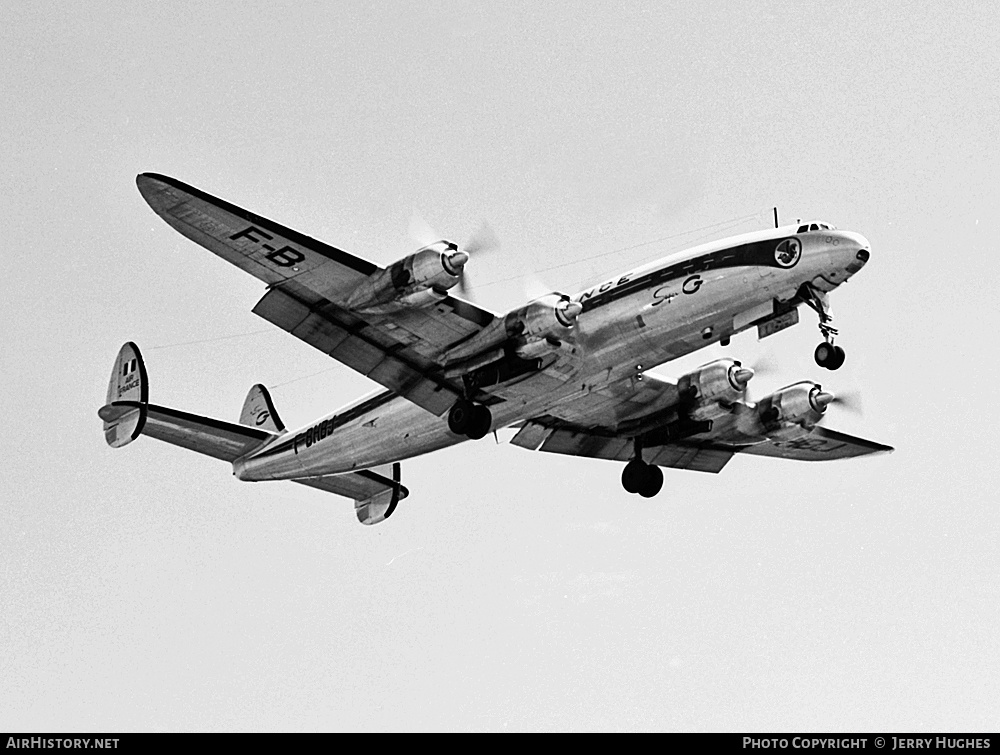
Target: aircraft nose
point(856, 253)
point(859, 241)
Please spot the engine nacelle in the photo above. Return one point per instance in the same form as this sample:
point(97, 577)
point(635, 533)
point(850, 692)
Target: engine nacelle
point(792, 412)
point(419, 280)
point(540, 326)
point(713, 388)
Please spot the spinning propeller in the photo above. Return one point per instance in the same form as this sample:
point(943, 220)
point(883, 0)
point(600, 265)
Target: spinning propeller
point(848, 400)
point(482, 241)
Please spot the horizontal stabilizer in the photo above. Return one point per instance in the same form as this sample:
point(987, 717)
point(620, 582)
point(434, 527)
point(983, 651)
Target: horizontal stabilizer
point(259, 411)
point(375, 491)
point(212, 437)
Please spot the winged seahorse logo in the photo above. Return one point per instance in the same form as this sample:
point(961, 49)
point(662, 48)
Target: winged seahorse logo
point(787, 253)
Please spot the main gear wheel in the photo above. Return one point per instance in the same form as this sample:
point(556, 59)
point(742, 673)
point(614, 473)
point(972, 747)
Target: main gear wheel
point(469, 419)
point(642, 478)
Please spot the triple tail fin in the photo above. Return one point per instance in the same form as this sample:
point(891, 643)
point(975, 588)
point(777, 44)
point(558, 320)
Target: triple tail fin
point(127, 414)
point(259, 411)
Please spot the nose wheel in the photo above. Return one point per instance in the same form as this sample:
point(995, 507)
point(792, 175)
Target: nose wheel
point(469, 419)
point(826, 355)
point(829, 356)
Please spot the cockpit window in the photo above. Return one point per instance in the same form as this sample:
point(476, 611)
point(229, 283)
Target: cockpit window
point(816, 227)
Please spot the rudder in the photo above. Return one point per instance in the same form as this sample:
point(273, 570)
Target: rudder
point(124, 412)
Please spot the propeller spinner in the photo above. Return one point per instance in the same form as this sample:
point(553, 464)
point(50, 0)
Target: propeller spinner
point(483, 240)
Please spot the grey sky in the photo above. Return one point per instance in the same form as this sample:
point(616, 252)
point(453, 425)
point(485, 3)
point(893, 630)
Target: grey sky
point(148, 589)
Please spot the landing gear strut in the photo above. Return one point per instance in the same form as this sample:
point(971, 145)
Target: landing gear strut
point(640, 477)
point(469, 419)
point(827, 355)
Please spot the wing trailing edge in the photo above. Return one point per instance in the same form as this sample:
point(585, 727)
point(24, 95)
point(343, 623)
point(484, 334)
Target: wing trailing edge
point(699, 453)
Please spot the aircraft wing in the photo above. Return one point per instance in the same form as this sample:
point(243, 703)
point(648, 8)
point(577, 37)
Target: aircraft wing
point(308, 281)
point(701, 453)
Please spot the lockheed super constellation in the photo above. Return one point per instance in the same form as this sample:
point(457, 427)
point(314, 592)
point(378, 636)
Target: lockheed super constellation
point(569, 373)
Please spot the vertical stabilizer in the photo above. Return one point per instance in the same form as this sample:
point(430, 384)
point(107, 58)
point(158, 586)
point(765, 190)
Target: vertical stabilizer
point(124, 413)
point(258, 411)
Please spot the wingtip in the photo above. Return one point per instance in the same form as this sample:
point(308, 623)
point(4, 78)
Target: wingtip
point(145, 183)
point(152, 185)
point(147, 178)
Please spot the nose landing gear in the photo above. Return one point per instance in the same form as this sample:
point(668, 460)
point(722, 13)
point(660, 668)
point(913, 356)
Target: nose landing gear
point(826, 355)
point(829, 356)
point(640, 477)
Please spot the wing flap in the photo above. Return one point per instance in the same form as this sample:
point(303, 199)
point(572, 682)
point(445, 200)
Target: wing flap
point(697, 457)
point(351, 342)
point(376, 492)
point(701, 456)
point(582, 443)
point(532, 435)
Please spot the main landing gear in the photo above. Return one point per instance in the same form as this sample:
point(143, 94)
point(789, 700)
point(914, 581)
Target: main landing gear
point(826, 355)
point(640, 477)
point(469, 419)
